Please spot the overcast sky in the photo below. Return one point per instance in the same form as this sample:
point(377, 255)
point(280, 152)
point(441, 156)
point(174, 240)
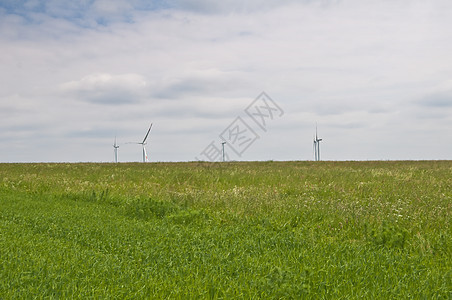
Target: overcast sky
point(376, 76)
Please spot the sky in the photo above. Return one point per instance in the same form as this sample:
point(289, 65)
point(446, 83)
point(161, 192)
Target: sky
point(375, 76)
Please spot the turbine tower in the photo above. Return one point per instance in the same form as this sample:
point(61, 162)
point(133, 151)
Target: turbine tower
point(116, 147)
point(143, 144)
point(316, 145)
point(222, 152)
point(314, 150)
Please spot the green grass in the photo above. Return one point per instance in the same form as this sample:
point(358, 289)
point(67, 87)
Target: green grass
point(289, 230)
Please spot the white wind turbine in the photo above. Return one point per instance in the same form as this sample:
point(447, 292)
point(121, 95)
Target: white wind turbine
point(143, 144)
point(116, 147)
point(316, 145)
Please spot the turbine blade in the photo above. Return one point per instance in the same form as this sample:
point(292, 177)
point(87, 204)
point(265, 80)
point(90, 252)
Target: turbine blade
point(313, 149)
point(316, 130)
point(149, 130)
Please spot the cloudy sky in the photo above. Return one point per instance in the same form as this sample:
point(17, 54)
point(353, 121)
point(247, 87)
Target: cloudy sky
point(376, 76)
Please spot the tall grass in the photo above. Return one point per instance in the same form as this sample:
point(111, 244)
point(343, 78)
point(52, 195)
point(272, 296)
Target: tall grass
point(226, 230)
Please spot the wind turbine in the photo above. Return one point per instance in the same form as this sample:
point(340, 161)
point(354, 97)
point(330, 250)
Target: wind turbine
point(143, 144)
point(116, 146)
point(316, 145)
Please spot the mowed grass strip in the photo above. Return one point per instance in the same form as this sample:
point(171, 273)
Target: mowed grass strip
point(232, 230)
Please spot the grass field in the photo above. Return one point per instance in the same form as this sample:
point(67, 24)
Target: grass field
point(289, 230)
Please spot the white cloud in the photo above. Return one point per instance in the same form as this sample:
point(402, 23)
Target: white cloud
point(369, 69)
point(104, 88)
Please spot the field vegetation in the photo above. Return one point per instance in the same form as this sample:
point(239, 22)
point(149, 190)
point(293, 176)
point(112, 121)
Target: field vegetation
point(278, 230)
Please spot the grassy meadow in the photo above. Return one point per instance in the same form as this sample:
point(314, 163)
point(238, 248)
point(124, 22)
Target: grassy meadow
point(273, 230)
